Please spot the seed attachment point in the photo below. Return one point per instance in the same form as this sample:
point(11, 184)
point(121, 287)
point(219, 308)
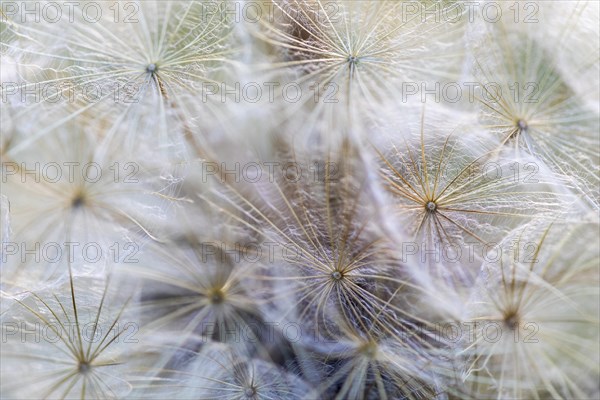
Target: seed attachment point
point(511, 320)
point(78, 201)
point(151, 68)
point(217, 297)
point(431, 206)
point(522, 125)
point(250, 392)
point(84, 367)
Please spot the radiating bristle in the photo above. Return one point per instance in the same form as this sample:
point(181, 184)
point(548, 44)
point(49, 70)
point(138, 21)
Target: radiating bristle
point(299, 199)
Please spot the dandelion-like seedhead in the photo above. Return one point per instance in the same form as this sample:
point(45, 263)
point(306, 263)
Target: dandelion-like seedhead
point(545, 313)
point(455, 190)
point(375, 365)
point(530, 104)
point(136, 72)
point(68, 194)
point(218, 371)
point(199, 290)
point(342, 39)
point(349, 52)
point(68, 342)
point(332, 262)
point(299, 199)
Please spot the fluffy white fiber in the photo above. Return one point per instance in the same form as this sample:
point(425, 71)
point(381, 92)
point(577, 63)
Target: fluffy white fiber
point(300, 199)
